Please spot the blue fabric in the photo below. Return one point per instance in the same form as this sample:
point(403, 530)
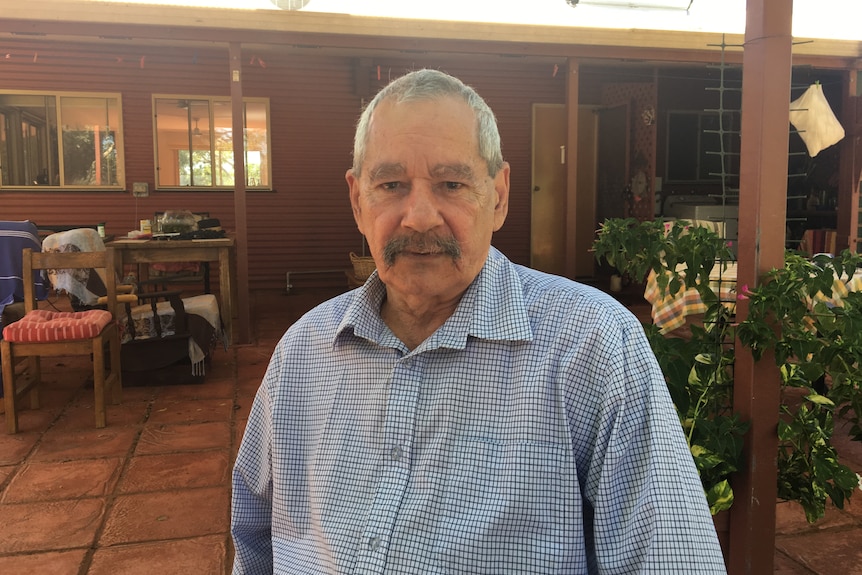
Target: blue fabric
point(14, 237)
point(531, 433)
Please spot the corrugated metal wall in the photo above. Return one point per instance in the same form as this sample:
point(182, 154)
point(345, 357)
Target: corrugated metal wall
point(305, 222)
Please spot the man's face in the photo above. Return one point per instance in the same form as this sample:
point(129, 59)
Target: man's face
point(425, 201)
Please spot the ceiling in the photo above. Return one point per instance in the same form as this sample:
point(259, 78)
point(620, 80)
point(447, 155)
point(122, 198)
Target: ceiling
point(833, 19)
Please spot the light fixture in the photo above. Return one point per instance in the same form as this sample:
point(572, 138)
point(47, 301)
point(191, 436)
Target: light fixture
point(649, 4)
point(197, 131)
point(290, 4)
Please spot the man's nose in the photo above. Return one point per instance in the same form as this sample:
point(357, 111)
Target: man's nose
point(422, 208)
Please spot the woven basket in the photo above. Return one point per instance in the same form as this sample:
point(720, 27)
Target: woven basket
point(363, 266)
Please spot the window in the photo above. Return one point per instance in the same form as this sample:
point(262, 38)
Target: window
point(694, 146)
point(60, 140)
point(194, 142)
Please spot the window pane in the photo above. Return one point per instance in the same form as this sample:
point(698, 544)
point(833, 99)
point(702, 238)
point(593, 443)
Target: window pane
point(183, 142)
point(256, 141)
point(682, 146)
point(194, 142)
point(29, 153)
point(223, 128)
point(90, 141)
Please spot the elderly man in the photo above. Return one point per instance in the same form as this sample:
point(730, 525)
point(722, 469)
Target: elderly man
point(459, 413)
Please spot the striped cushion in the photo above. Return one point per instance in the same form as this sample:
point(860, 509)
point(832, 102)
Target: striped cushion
point(43, 325)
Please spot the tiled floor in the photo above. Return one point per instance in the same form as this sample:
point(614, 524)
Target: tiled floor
point(150, 492)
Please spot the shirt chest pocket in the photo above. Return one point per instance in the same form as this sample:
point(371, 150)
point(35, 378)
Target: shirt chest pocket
point(509, 506)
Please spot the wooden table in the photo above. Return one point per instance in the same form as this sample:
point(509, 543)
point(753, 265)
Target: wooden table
point(221, 250)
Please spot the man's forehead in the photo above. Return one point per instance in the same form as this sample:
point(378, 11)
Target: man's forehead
point(387, 170)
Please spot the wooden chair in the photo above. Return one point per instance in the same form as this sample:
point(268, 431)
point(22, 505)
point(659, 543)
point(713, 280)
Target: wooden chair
point(49, 333)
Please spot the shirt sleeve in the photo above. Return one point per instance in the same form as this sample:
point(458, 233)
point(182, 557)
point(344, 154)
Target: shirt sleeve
point(251, 504)
point(646, 509)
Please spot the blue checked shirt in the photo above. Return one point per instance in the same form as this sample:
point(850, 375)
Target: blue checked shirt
point(531, 433)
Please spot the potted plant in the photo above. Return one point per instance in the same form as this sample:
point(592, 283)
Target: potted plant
point(817, 343)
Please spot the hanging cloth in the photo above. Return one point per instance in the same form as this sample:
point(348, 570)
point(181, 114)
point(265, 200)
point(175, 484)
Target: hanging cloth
point(811, 115)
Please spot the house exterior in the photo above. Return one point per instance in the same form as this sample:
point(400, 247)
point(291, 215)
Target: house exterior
point(617, 117)
point(311, 74)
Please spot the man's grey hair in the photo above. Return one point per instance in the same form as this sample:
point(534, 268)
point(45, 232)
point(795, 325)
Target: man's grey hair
point(430, 85)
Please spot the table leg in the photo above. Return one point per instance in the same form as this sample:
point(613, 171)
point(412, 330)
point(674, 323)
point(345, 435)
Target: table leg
point(226, 291)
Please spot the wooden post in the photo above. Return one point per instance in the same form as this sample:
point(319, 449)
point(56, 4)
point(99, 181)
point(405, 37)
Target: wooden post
point(850, 170)
point(242, 310)
point(572, 108)
point(766, 79)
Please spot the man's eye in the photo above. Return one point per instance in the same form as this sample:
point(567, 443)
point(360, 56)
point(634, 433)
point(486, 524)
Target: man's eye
point(454, 185)
point(390, 185)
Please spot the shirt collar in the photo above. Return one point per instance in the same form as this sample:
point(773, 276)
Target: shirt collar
point(492, 308)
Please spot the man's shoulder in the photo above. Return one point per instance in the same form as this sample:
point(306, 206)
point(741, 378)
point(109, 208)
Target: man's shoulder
point(541, 286)
point(325, 316)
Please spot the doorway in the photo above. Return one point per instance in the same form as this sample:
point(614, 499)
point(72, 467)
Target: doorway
point(613, 162)
point(549, 201)
point(548, 213)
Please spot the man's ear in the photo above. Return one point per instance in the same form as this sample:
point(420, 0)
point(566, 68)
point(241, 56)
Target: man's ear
point(501, 189)
point(353, 188)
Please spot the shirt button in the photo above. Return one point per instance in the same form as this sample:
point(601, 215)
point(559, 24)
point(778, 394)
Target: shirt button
point(396, 453)
point(374, 543)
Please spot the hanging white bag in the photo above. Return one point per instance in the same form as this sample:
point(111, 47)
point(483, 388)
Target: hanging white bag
point(811, 115)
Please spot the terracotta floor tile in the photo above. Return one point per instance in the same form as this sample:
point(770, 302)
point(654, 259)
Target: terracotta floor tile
point(239, 430)
point(211, 388)
point(790, 519)
point(169, 437)
point(167, 515)
point(145, 394)
point(172, 471)
point(223, 365)
point(243, 406)
point(53, 562)
point(59, 444)
point(55, 397)
point(63, 480)
point(34, 419)
point(832, 552)
point(786, 566)
point(198, 411)
point(6, 472)
point(81, 415)
point(199, 556)
point(252, 356)
point(14, 448)
point(49, 526)
point(250, 373)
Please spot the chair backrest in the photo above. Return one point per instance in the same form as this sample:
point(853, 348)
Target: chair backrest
point(103, 260)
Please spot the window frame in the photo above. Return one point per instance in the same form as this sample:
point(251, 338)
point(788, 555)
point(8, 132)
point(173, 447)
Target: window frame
point(56, 141)
point(173, 157)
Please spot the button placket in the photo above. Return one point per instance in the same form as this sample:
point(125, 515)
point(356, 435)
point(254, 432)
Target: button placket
point(400, 420)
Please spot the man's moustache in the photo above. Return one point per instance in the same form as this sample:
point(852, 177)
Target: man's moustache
point(420, 244)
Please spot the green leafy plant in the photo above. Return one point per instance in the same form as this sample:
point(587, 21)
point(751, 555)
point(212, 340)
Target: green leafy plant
point(817, 346)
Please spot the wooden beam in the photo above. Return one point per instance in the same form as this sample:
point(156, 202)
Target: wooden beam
point(766, 80)
point(135, 22)
point(243, 310)
point(572, 108)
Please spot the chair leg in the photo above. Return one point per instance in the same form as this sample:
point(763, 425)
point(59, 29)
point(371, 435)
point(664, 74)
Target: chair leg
point(9, 387)
point(99, 381)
